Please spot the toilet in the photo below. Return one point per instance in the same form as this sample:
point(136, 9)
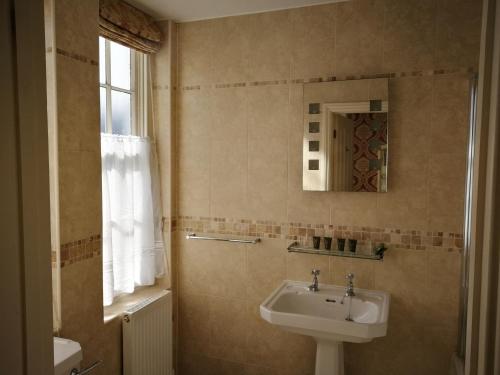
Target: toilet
point(67, 356)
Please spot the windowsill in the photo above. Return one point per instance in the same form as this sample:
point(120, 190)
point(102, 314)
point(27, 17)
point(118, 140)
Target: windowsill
point(123, 302)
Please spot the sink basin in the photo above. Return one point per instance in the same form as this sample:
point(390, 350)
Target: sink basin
point(323, 316)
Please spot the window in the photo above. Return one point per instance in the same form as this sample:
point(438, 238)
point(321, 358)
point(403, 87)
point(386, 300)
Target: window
point(132, 250)
point(122, 73)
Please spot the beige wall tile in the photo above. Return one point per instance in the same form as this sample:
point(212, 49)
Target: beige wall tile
point(77, 27)
point(266, 267)
point(353, 209)
point(229, 108)
point(399, 275)
point(450, 114)
point(267, 176)
point(195, 53)
point(339, 268)
point(457, 33)
point(446, 188)
point(194, 323)
point(313, 47)
point(363, 271)
point(270, 40)
point(194, 364)
point(403, 275)
point(77, 105)
point(441, 316)
point(443, 283)
point(261, 370)
point(267, 152)
point(228, 180)
point(81, 306)
point(409, 37)
point(270, 346)
point(228, 327)
point(194, 179)
point(299, 267)
point(359, 37)
point(111, 344)
point(214, 268)
point(229, 161)
point(231, 49)
point(410, 108)
point(194, 114)
point(268, 111)
point(448, 222)
point(79, 195)
point(194, 155)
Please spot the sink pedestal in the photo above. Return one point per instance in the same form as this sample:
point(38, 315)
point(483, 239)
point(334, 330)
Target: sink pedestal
point(329, 357)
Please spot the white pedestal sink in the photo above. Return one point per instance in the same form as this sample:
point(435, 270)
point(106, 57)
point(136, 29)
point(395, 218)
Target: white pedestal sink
point(322, 315)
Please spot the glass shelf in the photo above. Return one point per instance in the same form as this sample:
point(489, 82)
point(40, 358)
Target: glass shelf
point(297, 248)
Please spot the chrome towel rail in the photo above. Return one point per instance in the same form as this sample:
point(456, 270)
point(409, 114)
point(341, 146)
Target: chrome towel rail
point(193, 236)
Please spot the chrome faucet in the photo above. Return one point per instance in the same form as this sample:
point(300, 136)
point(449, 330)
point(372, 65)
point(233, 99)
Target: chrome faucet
point(349, 291)
point(314, 286)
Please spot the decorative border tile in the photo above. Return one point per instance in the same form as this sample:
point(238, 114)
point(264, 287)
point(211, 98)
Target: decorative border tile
point(76, 251)
point(161, 87)
point(302, 232)
point(191, 88)
point(91, 247)
point(419, 73)
point(76, 56)
point(169, 224)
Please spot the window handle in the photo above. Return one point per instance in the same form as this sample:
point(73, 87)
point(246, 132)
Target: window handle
point(87, 370)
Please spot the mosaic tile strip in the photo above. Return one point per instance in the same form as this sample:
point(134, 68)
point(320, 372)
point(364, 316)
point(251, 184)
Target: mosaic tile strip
point(91, 247)
point(191, 88)
point(161, 87)
point(419, 73)
point(302, 232)
point(77, 251)
point(169, 224)
point(76, 56)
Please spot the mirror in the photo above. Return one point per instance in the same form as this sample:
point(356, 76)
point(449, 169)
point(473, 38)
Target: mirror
point(345, 144)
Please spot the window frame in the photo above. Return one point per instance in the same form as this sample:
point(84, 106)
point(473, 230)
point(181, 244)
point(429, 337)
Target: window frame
point(139, 72)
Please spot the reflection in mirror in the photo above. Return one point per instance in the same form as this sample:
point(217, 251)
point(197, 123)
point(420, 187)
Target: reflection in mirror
point(346, 150)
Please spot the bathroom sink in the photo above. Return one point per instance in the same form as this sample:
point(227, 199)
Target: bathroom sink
point(329, 317)
point(321, 314)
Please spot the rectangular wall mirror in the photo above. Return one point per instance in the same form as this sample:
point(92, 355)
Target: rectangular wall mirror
point(345, 144)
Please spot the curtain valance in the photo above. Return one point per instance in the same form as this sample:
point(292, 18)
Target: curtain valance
point(125, 24)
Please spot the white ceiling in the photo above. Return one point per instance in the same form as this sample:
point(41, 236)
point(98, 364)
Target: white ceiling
point(193, 10)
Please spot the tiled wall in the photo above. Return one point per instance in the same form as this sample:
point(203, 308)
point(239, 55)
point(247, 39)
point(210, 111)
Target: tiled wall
point(164, 73)
point(240, 125)
point(79, 159)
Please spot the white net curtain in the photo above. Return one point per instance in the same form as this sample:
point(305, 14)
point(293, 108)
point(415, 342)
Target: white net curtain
point(133, 251)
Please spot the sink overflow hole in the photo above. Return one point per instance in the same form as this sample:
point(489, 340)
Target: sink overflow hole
point(331, 300)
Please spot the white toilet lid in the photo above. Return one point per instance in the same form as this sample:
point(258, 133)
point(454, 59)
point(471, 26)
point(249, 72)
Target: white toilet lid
point(67, 354)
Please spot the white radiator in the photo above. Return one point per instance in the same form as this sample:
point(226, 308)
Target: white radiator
point(147, 337)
